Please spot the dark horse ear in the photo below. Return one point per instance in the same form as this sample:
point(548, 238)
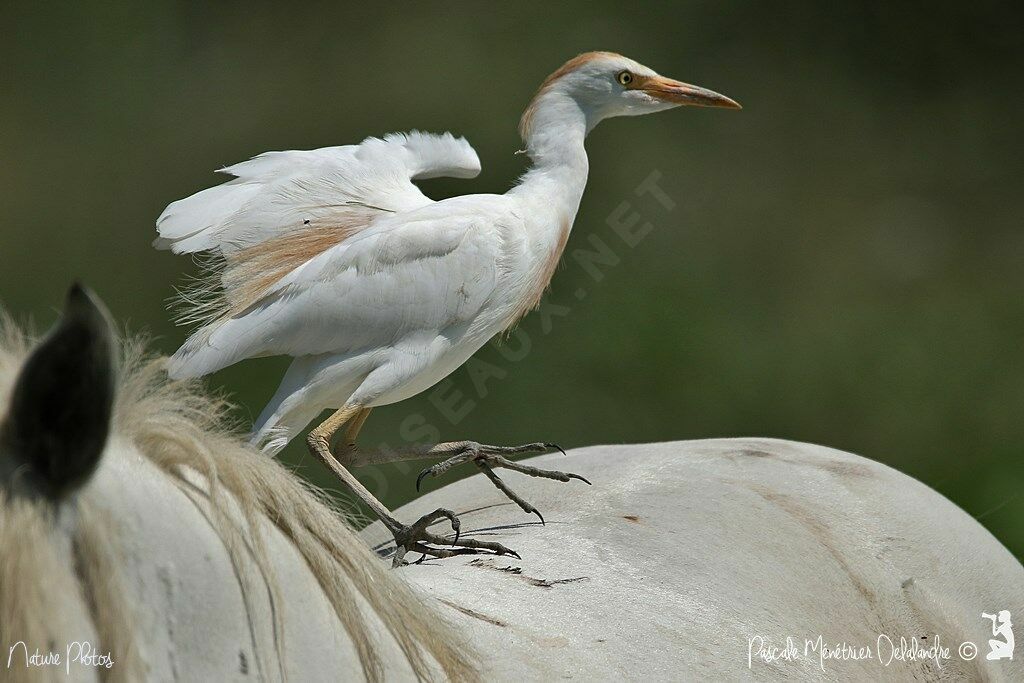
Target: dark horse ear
point(59, 415)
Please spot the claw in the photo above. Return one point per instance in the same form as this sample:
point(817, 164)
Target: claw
point(537, 512)
point(576, 476)
point(420, 478)
point(556, 447)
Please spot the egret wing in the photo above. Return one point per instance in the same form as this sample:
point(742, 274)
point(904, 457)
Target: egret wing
point(278, 192)
point(412, 277)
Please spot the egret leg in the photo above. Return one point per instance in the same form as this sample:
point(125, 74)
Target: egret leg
point(487, 458)
point(407, 537)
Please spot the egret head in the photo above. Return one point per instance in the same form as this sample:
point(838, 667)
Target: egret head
point(605, 84)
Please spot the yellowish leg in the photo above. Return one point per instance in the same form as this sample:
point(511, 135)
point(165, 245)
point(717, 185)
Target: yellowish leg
point(319, 441)
point(407, 538)
point(353, 428)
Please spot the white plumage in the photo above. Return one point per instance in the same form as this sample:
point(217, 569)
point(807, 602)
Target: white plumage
point(413, 272)
point(335, 257)
point(276, 192)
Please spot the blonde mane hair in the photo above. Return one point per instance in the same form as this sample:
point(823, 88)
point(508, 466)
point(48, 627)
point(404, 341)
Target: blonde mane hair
point(183, 431)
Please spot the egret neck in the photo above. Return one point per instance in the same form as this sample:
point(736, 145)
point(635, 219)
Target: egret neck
point(554, 127)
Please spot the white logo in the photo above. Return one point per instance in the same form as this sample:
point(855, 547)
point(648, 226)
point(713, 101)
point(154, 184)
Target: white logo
point(1001, 626)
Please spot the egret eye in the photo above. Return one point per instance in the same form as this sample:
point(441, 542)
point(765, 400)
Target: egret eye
point(624, 78)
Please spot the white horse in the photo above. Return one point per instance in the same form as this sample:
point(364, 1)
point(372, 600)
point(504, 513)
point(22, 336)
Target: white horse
point(172, 551)
point(175, 552)
point(697, 560)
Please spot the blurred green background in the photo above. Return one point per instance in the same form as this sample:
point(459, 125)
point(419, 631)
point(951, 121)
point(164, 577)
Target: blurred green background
point(843, 264)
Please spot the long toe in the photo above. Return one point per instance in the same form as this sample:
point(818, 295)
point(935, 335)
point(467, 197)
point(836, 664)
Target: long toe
point(512, 495)
point(445, 465)
point(536, 447)
point(421, 524)
point(498, 461)
point(472, 546)
point(472, 451)
point(417, 537)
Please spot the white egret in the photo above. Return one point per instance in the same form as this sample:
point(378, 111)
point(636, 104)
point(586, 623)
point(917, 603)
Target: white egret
point(335, 257)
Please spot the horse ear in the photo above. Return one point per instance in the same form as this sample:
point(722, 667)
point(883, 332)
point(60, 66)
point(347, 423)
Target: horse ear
point(60, 408)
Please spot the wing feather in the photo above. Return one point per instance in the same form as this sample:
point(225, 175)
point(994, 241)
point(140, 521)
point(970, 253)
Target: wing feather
point(278, 192)
point(284, 208)
point(425, 272)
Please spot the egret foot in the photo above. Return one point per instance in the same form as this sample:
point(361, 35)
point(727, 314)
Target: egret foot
point(487, 458)
point(415, 536)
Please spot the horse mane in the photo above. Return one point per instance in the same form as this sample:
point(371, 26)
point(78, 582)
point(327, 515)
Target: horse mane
point(185, 432)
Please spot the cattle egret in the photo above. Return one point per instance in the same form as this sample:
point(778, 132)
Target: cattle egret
point(335, 257)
